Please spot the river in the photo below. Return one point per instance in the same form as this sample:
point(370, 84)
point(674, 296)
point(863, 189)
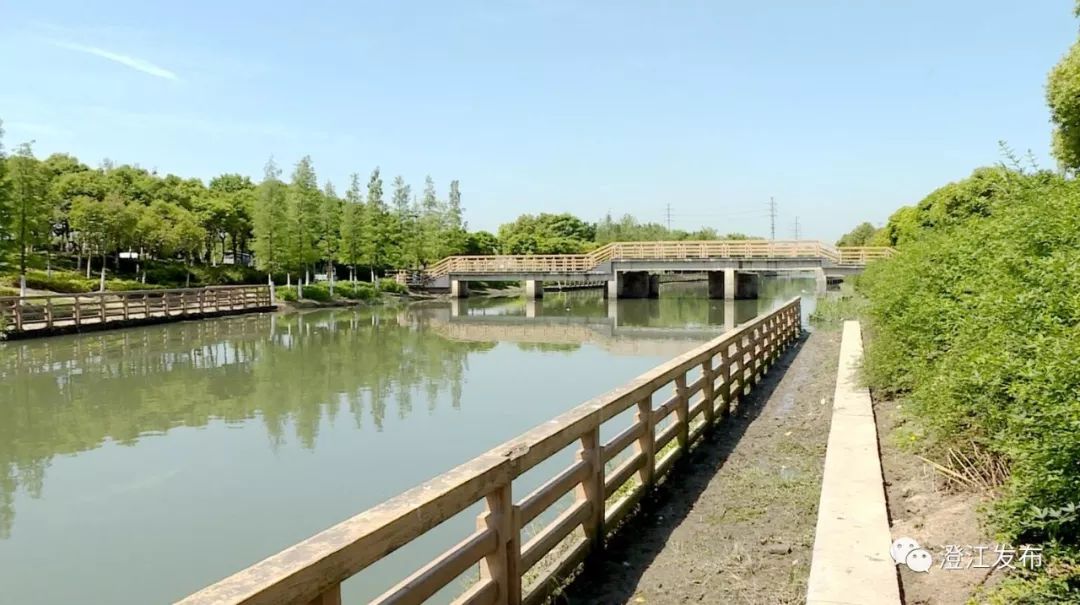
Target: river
point(139, 465)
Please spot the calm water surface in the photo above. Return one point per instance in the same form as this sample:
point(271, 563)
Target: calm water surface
point(139, 465)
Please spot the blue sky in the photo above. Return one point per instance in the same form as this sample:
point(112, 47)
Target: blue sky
point(841, 110)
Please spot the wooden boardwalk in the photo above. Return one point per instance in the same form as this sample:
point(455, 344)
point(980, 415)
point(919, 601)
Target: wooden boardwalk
point(63, 313)
point(674, 404)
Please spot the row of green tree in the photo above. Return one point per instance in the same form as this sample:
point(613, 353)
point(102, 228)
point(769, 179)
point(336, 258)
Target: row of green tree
point(60, 205)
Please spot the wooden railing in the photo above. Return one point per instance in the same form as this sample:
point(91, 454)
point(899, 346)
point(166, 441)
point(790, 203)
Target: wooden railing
point(74, 311)
point(864, 255)
point(580, 263)
point(705, 384)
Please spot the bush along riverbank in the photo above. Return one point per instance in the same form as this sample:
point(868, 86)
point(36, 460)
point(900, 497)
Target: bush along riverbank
point(344, 293)
point(975, 327)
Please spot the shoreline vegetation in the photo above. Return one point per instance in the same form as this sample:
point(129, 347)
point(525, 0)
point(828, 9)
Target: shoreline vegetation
point(973, 332)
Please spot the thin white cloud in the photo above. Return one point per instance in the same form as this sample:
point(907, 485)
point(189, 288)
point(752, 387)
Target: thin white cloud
point(133, 62)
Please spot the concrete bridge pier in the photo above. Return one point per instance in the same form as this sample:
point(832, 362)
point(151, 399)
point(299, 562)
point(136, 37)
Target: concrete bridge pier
point(459, 288)
point(531, 307)
point(822, 281)
point(730, 284)
point(636, 284)
point(534, 289)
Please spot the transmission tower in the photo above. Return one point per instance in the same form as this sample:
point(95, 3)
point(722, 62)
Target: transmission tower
point(797, 230)
point(669, 216)
point(772, 218)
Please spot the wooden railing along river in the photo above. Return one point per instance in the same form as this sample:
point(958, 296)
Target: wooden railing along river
point(72, 312)
point(705, 384)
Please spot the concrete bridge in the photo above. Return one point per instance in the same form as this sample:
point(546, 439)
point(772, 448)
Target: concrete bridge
point(632, 269)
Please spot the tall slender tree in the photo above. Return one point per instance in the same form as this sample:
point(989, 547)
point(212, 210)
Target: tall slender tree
point(377, 241)
point(5, 199)
point(29, 209)
point(352, 228)
point(271, 222)
point(431, 223)
point(403, 223)
point(304, 217)
point(329, 224)
point(457, 233)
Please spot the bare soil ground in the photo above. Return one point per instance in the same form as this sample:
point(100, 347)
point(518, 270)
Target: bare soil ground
point(735, 521)
point(921, 508)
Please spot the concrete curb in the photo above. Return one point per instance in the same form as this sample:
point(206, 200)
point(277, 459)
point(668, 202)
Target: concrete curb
point(851, 564)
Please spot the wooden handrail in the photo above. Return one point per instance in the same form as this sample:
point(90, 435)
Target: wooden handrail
point(660, 250)
point(313, 570)
point(47, 312)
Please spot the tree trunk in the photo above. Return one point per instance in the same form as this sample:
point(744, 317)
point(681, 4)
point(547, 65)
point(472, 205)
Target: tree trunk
point(88, 263)
point(187, 271)
point(104, 260)
point(48, 262)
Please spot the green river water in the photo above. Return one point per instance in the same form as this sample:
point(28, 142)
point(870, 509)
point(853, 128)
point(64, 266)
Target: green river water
point(139, 465)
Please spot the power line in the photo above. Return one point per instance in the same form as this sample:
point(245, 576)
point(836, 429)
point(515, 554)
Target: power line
point(772, 218)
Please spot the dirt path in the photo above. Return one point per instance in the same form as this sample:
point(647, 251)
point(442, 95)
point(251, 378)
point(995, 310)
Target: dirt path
point(735, 524)
point(922, 509)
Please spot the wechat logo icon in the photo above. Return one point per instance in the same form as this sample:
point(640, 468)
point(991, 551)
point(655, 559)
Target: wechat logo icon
point(906, 551)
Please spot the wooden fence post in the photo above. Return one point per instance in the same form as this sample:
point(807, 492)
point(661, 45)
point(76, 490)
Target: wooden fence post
point(591, 488)
point(503, 565)
point(725, 381)
point(124, 298)
point(77, 311)
point(647, 441)
point(682, 412)
point(101, 305)
point(48, 313)
point(18, 315)
point(146, 305)
point(330, 597)
point(709, 396)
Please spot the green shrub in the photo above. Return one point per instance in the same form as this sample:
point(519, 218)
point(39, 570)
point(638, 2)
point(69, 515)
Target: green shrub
point(391, 285)
point(356, 291)
point(979, 323)
point(6, 291)
point(65, 282)
point(317, 292)
point(286, 293)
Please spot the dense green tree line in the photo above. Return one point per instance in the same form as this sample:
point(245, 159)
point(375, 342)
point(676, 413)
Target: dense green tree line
point(60, 205)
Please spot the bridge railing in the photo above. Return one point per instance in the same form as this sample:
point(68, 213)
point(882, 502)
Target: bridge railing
point(678, 250)
point(607, 479)
point(863, 255)
point(28, 313)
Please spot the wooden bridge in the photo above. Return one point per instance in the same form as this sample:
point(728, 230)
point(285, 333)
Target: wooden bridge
point(674, 405)
point(62, 313)
point(630, 268)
